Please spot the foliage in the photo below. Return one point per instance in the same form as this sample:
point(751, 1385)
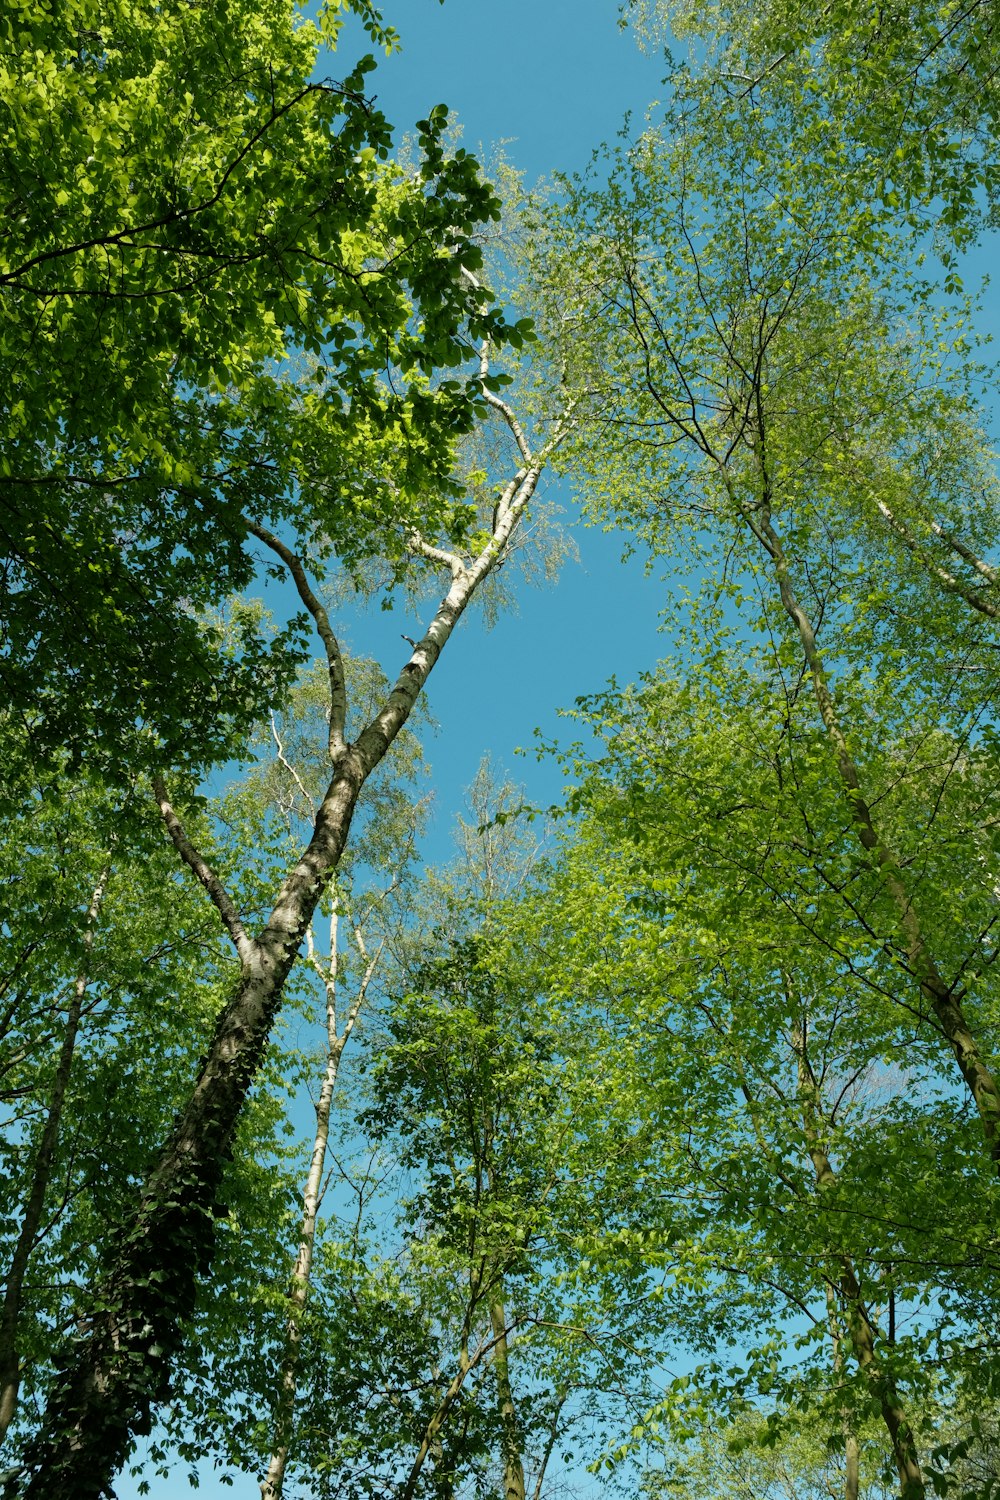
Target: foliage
point(738, 1460)
point(705, 827)
point(672, 1154)
point(781, 895)
point(209, 264)
point(99, 985)
point(907, 93)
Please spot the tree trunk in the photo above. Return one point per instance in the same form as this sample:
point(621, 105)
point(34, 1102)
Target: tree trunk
point(852, 1465)
point(513, 1467)
point(976, 1071)
point(851, 1452)
point(431, 1439)
point(10, 1359)
point(904, 1449)
point(550, 1443)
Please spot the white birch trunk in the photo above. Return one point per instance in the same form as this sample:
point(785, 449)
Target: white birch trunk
point(298, 1293)
point(119, 1369)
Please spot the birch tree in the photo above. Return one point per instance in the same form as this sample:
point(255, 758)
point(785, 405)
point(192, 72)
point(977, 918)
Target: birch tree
point(454, 1341)
point(119, 1369)
point(908, 93)
point(818, 1201)
point(360, 916)
point(808, 424)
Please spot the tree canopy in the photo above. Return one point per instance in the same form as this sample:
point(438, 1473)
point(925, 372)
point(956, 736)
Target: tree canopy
point(210, 263)
point(651, 1141)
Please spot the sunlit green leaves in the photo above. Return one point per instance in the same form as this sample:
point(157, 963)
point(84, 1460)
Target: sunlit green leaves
point(190, 215)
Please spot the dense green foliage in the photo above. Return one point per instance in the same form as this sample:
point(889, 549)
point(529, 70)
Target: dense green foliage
point(651, 1144)
point(208, 265)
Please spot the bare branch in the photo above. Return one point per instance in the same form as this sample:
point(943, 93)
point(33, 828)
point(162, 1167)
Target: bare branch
point(334, 659)
point(359, 999)
point(284, 761)
point(493, 400)
point(220, 897)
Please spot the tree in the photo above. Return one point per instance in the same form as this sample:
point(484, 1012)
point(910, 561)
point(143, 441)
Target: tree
point(783, 412)
point(250, 1338)
point(721, 1075)
point(102, 951)
point(118, 1371)
point(905, 95)
point(366, 906)
point(819, 1202)
point(452, 1338)
point(739, 1460)
point(483, 1091)
point(789, 422)
point(192, 222)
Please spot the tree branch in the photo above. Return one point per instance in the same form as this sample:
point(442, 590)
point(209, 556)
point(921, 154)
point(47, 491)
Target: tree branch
point(284, 761)
point(334, 659)
point(451, 560)
point(501, 406)
point(220, 897)
point(966, 553)
point(947, 580)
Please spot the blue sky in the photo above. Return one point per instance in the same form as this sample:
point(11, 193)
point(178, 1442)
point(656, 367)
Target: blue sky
point(551, 80)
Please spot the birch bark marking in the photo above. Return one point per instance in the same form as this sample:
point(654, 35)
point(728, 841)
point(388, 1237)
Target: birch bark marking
point(851, 1448)
point(273, 1482)
point(947, 1008)
point(947, 580)
point(860, 1326)
point(513, 1467)
point(119, 1369)
point(10, 1359)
